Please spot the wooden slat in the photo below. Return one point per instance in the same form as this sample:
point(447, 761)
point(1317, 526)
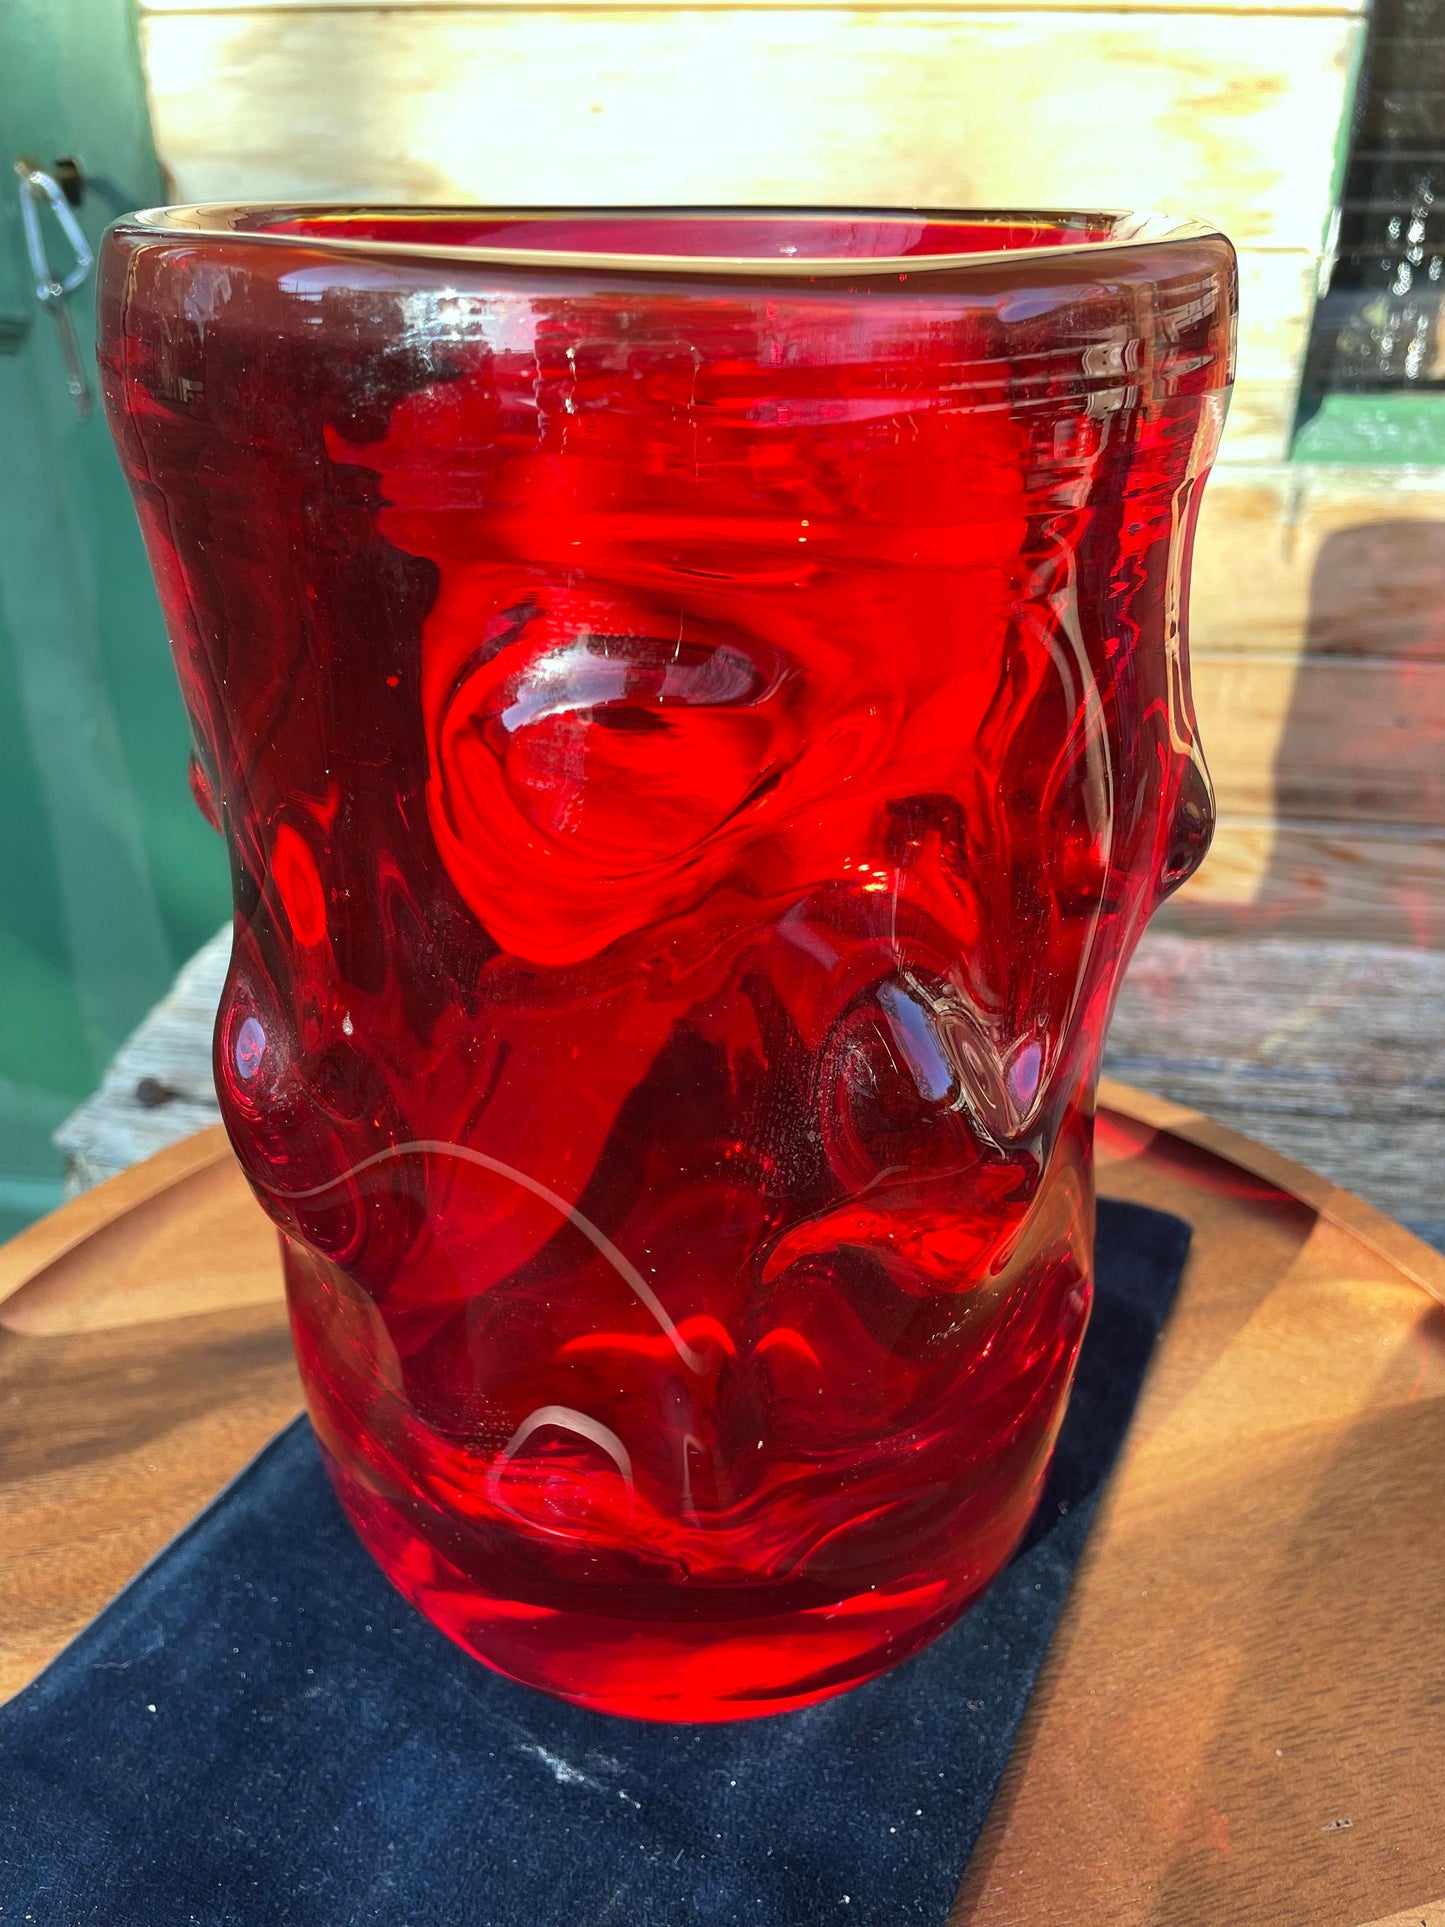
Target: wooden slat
point(1261, 419)
point(1264, 877)
point(1325, 737)
point(1301, 559)
point(1340, 9)
point(1331, 1053)
point(159, 1085)
point(1276, 303)
point(1230, 117)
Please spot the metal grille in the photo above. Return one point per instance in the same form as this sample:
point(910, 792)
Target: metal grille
point(1378, 327)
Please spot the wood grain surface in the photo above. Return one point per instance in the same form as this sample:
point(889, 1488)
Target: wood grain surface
point(144, 1357)
point(1240, 1720)
point(1300, 560)
point(1229, 116)
point(1331, 1053)
point(1346, 738)
point(1269, 875)
point(1317, 626)
point(931, 105)
point(1342, 8)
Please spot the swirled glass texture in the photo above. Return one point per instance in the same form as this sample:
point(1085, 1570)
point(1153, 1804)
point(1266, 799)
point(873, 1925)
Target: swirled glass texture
point(698, 709)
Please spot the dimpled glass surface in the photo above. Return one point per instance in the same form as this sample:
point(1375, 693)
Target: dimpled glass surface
point(697, 739)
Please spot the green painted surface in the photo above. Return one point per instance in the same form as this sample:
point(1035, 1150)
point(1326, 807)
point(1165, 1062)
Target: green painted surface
point(1344, 133)
point(108, 878)
point(1375, 431)
point(1354, 430)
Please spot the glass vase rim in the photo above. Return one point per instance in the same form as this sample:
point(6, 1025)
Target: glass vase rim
point(260, 223)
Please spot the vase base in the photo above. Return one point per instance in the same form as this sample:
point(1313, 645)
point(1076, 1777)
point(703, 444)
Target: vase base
point(682, 1671)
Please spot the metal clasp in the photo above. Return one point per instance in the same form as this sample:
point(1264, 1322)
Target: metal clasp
point(53, 291)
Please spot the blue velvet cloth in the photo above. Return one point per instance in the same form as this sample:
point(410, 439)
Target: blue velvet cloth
point(259, 1730)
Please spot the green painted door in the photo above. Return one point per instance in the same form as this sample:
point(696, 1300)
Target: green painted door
point(108, 878)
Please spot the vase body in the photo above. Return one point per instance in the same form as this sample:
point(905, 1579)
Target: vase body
point(698, 709)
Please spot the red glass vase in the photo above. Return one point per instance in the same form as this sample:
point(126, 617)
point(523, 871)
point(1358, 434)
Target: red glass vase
point(698, 708)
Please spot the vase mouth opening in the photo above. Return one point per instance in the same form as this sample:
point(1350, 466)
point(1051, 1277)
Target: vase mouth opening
point(792, 242)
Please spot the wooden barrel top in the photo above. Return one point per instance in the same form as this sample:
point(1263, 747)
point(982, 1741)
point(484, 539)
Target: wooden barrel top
point(1241, 1721)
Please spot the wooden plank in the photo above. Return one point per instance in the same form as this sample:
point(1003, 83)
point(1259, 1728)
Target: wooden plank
point(170, 1050)
point(1261, 419)
point(158, 1087)
point(1265, 877)
point(1339, 9)
point(1324, 737)
point(1345, 561)
point(1332, 1053)
point(1230, 117)
point(1276, 305)
point(1329, 1052)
